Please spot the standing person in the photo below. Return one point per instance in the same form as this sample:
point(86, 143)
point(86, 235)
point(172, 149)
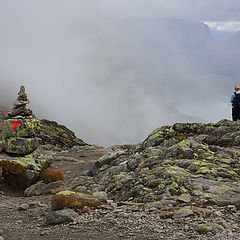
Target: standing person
point(235, 100)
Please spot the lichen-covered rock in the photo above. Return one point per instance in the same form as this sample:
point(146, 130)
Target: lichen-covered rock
point(200, 161)
point(21, 146)
point(56, 134)
point(26, 128)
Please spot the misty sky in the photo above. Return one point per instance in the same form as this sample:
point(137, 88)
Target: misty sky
point(111, 71)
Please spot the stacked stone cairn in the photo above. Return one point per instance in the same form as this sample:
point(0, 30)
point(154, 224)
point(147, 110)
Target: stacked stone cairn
point(20, 129)
point(18, 139)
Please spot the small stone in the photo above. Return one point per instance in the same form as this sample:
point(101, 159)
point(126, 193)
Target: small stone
point(116, 210)
point(81, 188)
point(34, 204)
point(108, 207)
point(183, 212)
point(23, 207)
point(186, 197)
point(218, 213)
point(61, 216)
point(114, 205)
point(101, 195)
point(211, 227)
point(1, 238)
point(122, 215)
point(231, 208)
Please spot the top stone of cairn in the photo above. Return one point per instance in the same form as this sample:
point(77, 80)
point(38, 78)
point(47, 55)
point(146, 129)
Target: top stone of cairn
point(19, 105)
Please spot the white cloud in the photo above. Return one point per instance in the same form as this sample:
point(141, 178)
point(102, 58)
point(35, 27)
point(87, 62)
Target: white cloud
point(230, 26)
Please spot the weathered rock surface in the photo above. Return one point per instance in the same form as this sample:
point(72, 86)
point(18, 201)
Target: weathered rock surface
point(56, 134)
point(26, 128)
point(195, 159)
point(22, 146)
point(61, 216)
point(20, 139)
point(42, 188)
point(21, 172)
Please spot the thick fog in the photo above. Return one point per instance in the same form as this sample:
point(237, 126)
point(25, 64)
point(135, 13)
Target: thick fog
point(112, 71)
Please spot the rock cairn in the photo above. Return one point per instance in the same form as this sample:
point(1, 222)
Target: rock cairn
point(20, 130)
point(19, 105)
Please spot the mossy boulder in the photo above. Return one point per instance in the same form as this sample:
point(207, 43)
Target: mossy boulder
point(21, 146)
point(26, 128)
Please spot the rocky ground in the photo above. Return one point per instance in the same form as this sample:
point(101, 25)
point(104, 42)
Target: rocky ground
point(25, 217)
point(181, 182)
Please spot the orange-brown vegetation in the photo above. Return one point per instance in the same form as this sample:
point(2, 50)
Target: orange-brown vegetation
point(15, 174)
point(51, 175)
point(63, 201)
point(72, 201)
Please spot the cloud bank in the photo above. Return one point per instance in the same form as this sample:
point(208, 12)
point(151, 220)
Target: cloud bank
point(112, 70)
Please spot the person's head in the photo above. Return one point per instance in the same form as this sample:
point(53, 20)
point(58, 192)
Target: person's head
point(237, 88)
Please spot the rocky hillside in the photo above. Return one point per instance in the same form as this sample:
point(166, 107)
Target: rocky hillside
point(181, 182)
point(192, 162)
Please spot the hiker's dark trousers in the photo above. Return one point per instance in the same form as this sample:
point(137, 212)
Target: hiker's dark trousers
point(235, 113)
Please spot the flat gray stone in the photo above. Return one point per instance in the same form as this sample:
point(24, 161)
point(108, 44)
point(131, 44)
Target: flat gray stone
point(62, 216)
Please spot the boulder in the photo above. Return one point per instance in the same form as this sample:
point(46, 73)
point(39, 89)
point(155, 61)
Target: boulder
point(25, 128)
point(22, 146)
point(62, 216)
point(20, 172)
point(41, 188)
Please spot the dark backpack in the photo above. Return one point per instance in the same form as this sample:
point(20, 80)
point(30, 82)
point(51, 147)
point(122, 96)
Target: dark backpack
point(236, 100)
